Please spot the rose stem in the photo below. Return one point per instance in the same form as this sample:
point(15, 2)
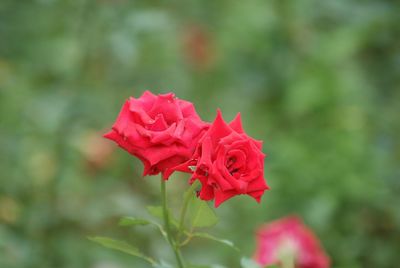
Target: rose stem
point(167, 226)
point(187, 198)
point(288, 261)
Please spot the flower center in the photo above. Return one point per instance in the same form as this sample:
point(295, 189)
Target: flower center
point(235, 162)
point(202, 170)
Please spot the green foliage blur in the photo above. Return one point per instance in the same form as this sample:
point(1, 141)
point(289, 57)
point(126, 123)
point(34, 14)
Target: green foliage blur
point(318, 81)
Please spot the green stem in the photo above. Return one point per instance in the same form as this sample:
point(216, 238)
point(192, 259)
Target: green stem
point(287, 259)
point(188, 196)
point(288, 263)
point(167, 226)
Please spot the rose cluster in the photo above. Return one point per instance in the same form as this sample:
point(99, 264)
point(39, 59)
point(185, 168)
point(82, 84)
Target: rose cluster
point(167, 135)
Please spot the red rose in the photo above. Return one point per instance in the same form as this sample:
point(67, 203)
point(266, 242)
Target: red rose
point(227, 162)
point(162, 131)
point(289, 237)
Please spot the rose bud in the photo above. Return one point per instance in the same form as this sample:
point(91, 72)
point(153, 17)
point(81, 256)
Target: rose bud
point(227, 162)
point(161, 130)
point(288, 240)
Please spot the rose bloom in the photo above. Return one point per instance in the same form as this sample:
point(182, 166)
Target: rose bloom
point(227, 162)
point(289, 238)
point(161, 130)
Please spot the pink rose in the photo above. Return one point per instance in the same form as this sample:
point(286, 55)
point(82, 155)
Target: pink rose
point(162, 131)
point(227, 162)
point(289, 238)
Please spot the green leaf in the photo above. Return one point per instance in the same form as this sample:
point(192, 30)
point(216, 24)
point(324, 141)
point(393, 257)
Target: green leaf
point(187, 200)
point(189, 192)
point(157, 212)
point(121, 246)
point(164, 264)
point(249, 263)
point(211, 237)
point(205, 266)
point(128, 221)
point(198, 266)
point(201, 215)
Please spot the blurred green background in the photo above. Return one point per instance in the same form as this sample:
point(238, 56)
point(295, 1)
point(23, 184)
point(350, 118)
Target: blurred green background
point(318, 81)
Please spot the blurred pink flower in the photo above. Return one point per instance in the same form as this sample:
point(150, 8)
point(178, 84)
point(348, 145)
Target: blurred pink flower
point(198, 47)
point(289, 238)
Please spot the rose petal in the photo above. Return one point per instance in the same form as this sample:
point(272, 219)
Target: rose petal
point(163, 137)
point(207, 192)
point(222, 196)
point(159, 123)
point(188, 110)
point(218, 129)
point(165, 104)
point(205, 159)
point(137, 107)
point(236, 124)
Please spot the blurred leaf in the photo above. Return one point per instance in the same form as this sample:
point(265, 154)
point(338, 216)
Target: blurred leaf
point(128, 221)
point(205, 266)
point(121, 246)
point(201, 215)
point(211, 237)
point(157, 212)
point(164, 264)
point(192, 188)
point(188, 195)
